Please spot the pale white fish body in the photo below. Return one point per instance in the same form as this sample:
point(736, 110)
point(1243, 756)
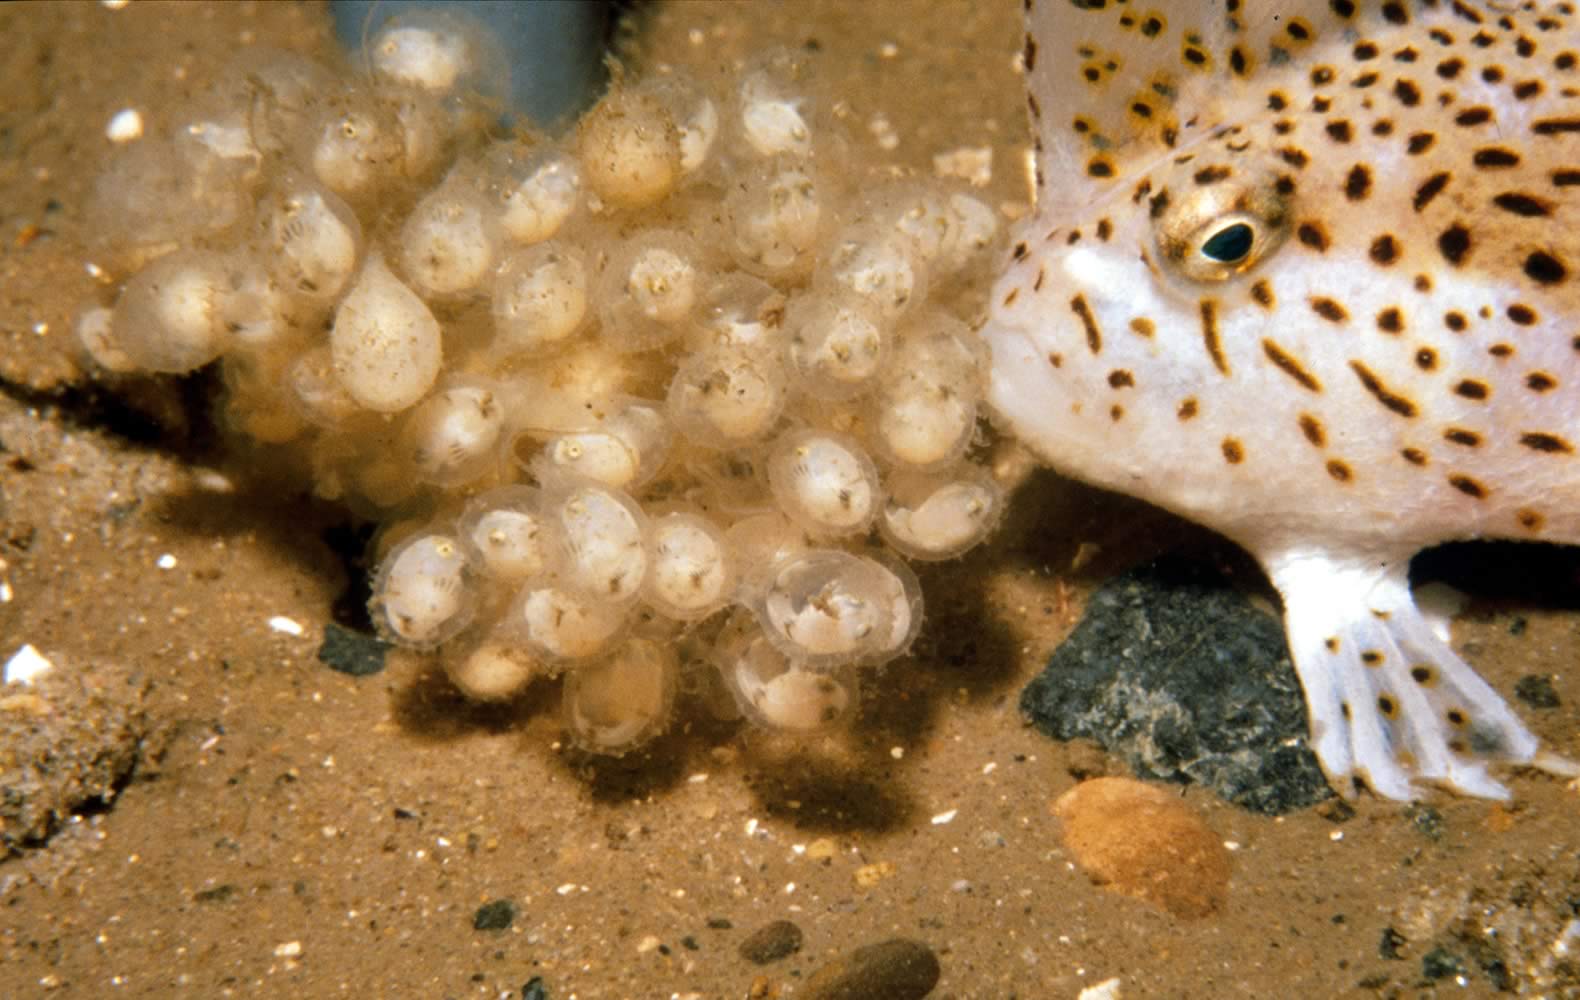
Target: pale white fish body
point(1309, 273)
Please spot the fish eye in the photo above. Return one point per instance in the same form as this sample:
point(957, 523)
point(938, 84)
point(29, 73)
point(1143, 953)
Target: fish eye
point(1230, 244)
point(1222, 230)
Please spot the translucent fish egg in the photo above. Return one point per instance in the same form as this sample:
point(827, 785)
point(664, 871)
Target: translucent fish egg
point(838, 344)
point(423, 594)
point(623, 450)
point(727, 398)
point(504, 528)
point(358, 148)
point(561, 626)
point(621, 702)
point(312, 241)
point(539, 299)
point(933, 518)
point(540, 191)
point(824, 481)
point(169, 317)
point(650, 290)
point(827, 607)
point(691, 575)
point(488, 669)
point(386, 345)
point(454, 434)
point(629, 149)
point(602, 535)
point(776, 691)
point(448, 241)
point(776, 218)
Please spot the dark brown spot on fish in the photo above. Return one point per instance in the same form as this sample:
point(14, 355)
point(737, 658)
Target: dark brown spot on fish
point(1528, 519)
point(1421, 674)
point(1387, 397)
point(1543, 268)
point(1390, 320)
point(1120, 379)
point(1287, 364)
point(1262, 292)
point(1387, 706)
point(1358, 183)
point(1522, 314)
point(1094, 336)
point(1209, 335)
point(1285, 184)
point(1340, 471)
point(1384, 250)
point(1460, 436)
point(1211, 175)
point(1550, 443)
point(1566, 178)
point(1454, 244)
point(1472, 389)
point(1364, 80)
point(1322, 76)
point(1036, 286)
point(1449, 68)
point(1524, 205)
point(1426, 359)
point(1145, 327)
point(1339, 131)
point(1407, 93)
point(1415, 456)
point(1014, 293)
point(1296, 158)
point(1471, 117)
point(1277, 101)
point(1364, 51)
point(1371, 657)
point(1429, 189)
point(1525, 47)
point(1494, 157)
point(1239, 61)
point(1311, 427)
point(1468, 486)
point(1313, 234)
point(1540, 382)
point(1233, 451)
point(1187, 408)
point(1105, 229)
point(1099, 166)
point(1527, 89)
point(1395, 13)
point(1501, 350)
point(1555, 126)
point(1020, 251)
point(1419, 143)
point(1383, 127)
point(1158, 202)
point(1329, 309)
point(1055, 359)
point(1455, 321)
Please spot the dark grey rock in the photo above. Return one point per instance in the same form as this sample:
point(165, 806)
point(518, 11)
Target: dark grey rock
point(771, 942)
point(352, 652)
point(1390, 944)
point(1176, 672)
point(1428, 822)
point(1440, 963)
point(1537, 691)
point(497, 915)
point(896, 969)
point(535, 990)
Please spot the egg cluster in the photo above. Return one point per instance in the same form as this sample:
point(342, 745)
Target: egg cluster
point(660, 405)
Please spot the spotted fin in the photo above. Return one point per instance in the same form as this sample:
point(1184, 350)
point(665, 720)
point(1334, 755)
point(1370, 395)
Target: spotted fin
point(1390, 703)
point(1112, 86)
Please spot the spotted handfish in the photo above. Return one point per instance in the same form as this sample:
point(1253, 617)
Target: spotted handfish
point(1309, 273)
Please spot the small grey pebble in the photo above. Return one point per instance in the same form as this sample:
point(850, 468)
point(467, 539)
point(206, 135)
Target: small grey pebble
point(1427, 821)
point(1390, 944)
point(351, 652)
point(1440, 963)
point(771, 942)
point(535, 990)
point(1537, 691)
point(494, 916)
point(896, 969)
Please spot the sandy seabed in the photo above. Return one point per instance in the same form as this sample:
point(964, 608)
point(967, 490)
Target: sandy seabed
point(305, 833)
